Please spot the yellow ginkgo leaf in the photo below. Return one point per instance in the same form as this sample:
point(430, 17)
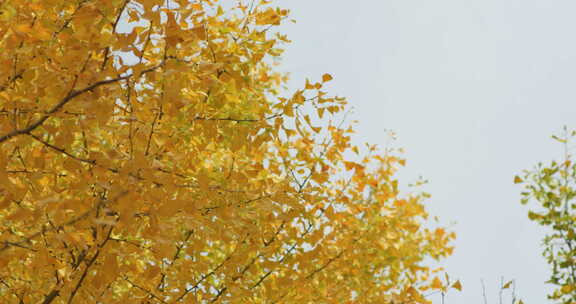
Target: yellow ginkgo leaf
point(23, 28)
point(436, 283)
point(567, 288)
point(326, 77)
point(457, 285)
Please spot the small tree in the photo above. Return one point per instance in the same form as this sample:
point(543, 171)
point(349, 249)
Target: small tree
point(553, 187)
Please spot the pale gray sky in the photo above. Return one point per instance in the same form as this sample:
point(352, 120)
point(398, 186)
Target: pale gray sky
point(474, 90)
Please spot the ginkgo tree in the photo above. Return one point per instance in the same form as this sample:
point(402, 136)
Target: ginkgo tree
point(553, 188)
point(162, 164)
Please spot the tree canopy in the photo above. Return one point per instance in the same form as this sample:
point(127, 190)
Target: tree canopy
point(553, 188)
point(148, 155)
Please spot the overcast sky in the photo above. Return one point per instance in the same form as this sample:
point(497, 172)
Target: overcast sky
point(474, 89)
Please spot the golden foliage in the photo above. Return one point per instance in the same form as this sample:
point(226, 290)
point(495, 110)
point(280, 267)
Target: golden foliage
point(147, 156)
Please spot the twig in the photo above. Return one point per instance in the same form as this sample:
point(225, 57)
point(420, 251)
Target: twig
point(61, 150)
point(114, 25)
point(151, 294)
point(179, 248)
point(325, 265)
point(484, 291)
point(88, 265)
point(220, 292)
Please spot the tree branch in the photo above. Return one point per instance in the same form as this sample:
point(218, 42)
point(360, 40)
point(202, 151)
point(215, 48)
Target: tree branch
point(220, 292)
point(114, 25)
point(151, 294)
point(51, 296)
point(70, 222)
point(179, 248)
point(88, 265)
point(73, 94)
point(325, 265)
point(61, 150)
